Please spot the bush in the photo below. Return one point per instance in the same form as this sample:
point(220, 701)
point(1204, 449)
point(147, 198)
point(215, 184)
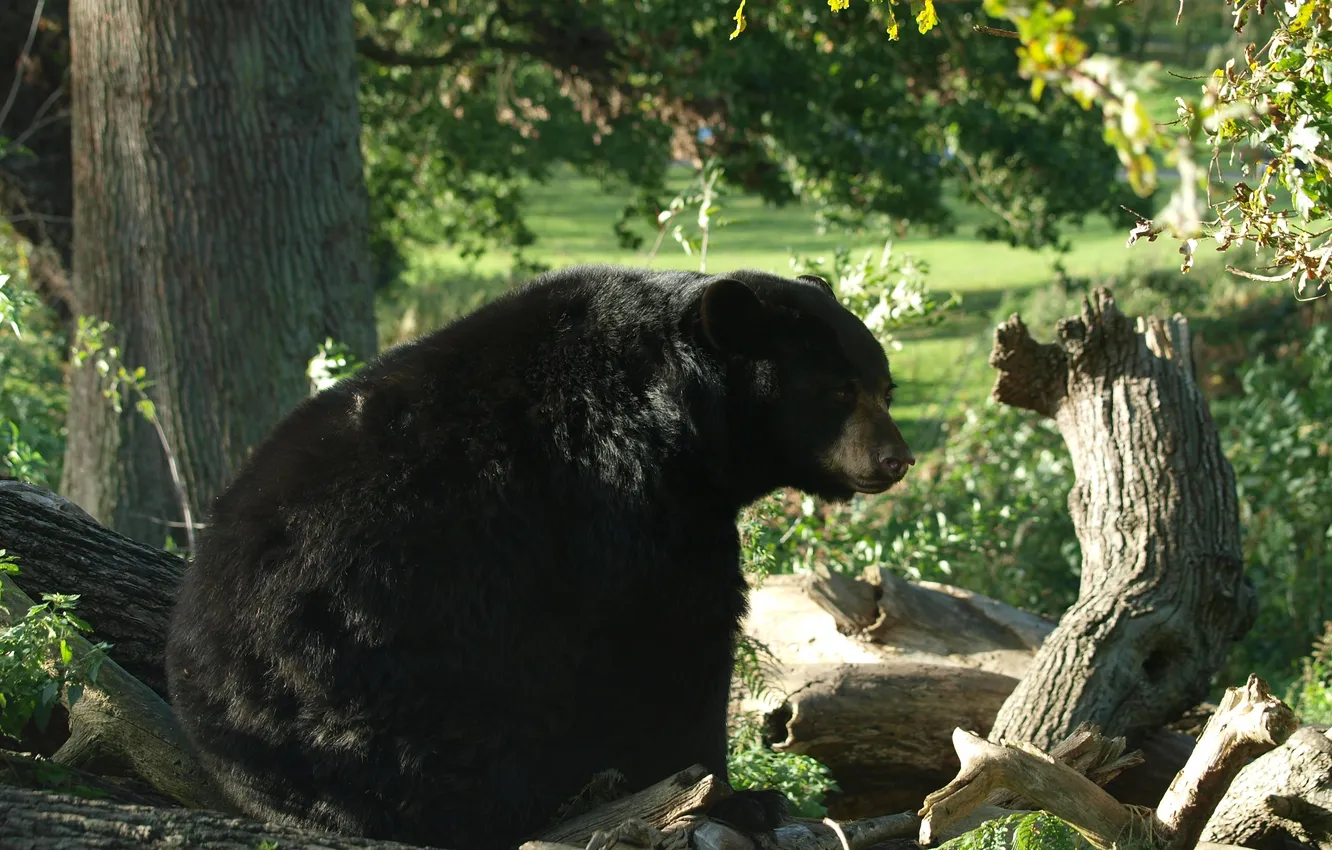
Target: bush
point(33, 397)
point(1278, 438)
point(38, 666)
point(1311, 694)
point(990, 514)
point(752, 764)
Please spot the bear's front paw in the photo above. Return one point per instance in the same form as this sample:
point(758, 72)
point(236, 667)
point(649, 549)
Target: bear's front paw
point(755, 810)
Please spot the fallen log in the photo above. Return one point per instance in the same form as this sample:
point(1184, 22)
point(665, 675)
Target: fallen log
point(126, 589)
point(883, 729)
point(960, 626)
point(877, 704)
point(1281, 798)
point(1249, 721)
point(40, 820)
point(119, 727)
point(660, 819)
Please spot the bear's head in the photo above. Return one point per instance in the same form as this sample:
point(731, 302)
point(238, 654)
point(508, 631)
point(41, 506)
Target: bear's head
point(813, 386)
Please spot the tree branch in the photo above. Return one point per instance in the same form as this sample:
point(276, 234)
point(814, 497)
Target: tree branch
point(456, 52)
point(373, 51)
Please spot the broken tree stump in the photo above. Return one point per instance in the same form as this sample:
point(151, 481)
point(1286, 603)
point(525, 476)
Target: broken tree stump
point(1163, 594)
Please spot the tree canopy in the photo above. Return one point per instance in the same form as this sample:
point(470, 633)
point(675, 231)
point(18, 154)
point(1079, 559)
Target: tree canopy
point(1267, 115)
point(463, 103)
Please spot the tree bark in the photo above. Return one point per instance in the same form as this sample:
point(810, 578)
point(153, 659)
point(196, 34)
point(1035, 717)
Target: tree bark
point(1281, 799)
point(126, 589)
point(1163, 594)
point(35, 820)
point(883, 729)
point(220, 220)
point(1248, 722)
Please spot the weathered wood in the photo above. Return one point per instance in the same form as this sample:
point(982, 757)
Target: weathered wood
point(1248, 723)
point(38, 820)
point(882, 607)
point(1163, 594)
point(24, 770)
point(883, 729)
point(1030, 773)
point(1086, 751)
point(853, 835)
point(126, 589)
point(656, 805)
point(880, 715)
point(1165, 753)
point(122, 728)
point(1281, 798)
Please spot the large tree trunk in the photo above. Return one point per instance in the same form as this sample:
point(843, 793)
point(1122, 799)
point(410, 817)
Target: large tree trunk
point(1163, 594)
point(220, 221)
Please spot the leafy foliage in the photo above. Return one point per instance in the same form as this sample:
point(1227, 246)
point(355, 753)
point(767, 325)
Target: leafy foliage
point(1266, 113)
point(752, 764)
point(1021, 831)
point(463, 104)
point(1279, 443)
point(332, 362)
point(37, 662)
point(889, 296)
point(1311, 694)
point(32, 394)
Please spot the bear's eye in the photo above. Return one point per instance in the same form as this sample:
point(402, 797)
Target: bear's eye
point(888, 395)
point(846, 392)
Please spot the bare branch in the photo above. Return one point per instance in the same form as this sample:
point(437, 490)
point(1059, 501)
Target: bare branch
point(22, 60)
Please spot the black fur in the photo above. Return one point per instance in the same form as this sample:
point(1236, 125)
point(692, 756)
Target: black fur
point(503, 558)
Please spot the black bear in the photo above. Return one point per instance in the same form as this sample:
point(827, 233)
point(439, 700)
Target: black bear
point(503, 558)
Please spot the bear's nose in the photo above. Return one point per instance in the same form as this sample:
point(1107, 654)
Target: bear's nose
point(894, 465)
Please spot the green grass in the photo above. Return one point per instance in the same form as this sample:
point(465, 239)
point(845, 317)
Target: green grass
point(940, 369)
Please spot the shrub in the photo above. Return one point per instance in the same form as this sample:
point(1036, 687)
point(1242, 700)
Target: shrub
point(1279, 441)
point(1311, 694)
point(990, 514)
point(33, 398)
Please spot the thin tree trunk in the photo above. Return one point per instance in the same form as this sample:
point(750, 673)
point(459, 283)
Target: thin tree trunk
point(1163, 595)
point(220, 220)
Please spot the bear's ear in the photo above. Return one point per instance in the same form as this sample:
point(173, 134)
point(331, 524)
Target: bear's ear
point(733, 318)
point(813, 278)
